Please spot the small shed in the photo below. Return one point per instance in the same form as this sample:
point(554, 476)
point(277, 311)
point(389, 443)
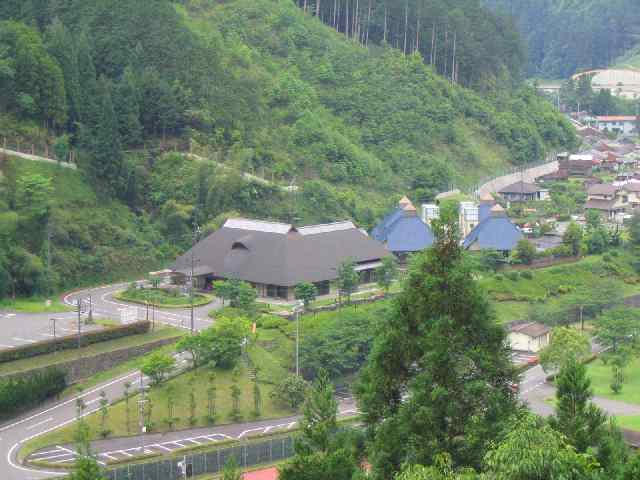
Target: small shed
point(528, 336)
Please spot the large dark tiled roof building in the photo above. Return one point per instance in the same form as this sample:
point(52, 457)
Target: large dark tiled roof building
point(275, 257)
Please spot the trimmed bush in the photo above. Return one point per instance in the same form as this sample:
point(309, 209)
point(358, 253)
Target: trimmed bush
point(22, 393)
point(526, 274)
point(271, 322)
point(68, 342)
point(513, 276)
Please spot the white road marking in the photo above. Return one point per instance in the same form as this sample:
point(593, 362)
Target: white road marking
point(162, 447)
point(27, 340)
point(31, 427)
point(38, 454)
point(6, 346)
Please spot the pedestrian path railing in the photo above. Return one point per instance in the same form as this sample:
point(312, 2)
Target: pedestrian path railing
point(212, 462)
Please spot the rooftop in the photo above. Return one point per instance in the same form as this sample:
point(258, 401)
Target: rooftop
point(520, 187)
point(531, 329)
point(280, 254)
point(602, 189)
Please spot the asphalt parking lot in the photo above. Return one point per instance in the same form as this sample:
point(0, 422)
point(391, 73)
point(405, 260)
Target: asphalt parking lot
point(17, 330)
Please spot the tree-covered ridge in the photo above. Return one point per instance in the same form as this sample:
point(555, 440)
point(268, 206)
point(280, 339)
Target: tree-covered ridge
point(565, 36)
point(254, 86)
point(460, 39)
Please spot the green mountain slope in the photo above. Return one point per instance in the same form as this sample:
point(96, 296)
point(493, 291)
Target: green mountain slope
point(565, 36)
point(249, 86)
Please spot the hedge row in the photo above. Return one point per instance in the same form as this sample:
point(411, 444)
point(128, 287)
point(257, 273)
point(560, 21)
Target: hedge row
point(68, 342)
point(19, 394)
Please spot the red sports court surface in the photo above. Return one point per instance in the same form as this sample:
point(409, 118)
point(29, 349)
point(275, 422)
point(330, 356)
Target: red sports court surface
point(266, 474)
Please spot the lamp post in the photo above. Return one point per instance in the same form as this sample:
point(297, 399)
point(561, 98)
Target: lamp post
point(196, 234)
point(296, 310)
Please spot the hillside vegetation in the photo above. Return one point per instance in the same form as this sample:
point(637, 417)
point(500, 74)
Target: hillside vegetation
point(566, 36)
point(249, 86)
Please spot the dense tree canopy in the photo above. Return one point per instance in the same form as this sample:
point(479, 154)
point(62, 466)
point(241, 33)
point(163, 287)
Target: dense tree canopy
point(421, 395)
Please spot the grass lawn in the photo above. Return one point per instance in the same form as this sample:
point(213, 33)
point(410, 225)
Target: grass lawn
point(163, 298)
point(512, 299)
point(196, 381)
point(97, 348)
point(33, 305)
point(600, 375)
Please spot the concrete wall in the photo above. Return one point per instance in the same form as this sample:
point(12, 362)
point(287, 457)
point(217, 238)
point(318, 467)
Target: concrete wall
point(525, 343)
point(529, 175)
point(88, 366)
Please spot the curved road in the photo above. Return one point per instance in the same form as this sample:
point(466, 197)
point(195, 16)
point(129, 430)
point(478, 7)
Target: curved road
point(57, 414)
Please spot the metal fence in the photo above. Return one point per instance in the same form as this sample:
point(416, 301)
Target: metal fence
point(249, 455)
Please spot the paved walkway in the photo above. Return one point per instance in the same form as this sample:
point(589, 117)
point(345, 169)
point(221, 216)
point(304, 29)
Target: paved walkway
point(37, 158)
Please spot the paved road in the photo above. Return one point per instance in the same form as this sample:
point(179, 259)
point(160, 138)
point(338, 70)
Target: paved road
point(534, 390)
point(105, 304)
point(19, 329)
point(122, 449)
point(32, 327)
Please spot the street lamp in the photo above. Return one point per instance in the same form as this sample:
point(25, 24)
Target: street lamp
point(196, 234)
point(296, 310)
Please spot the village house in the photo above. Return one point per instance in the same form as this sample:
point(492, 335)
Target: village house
point(577, 165)
point(613, 200)
point(494, 232)
point(525, 336)
point(620, 124)
point(523, 192)
point(403, 232)
point(275, 257)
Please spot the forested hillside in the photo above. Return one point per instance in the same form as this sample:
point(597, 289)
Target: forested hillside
point(254, 86)
point(565, 36)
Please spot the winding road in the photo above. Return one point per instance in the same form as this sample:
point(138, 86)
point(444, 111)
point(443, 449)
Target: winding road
point(57, 414)
point(534, 391)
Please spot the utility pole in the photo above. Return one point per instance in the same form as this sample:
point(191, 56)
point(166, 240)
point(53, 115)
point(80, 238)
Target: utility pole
point(141, 404)
point(90, 318)
point(79, 303)
point(196, 231)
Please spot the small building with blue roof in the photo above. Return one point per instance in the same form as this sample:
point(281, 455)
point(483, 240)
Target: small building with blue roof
point(495, 231)
point(403, 232)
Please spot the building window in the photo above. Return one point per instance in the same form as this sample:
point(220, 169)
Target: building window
point(324, 288)
point(283, 292)
point(272, 291)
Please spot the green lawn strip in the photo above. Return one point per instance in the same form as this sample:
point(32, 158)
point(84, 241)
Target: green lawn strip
point(91, 350)
point(193, 380)
point(601, 376)
point(272, 354)
point(509, 311)
point(163, 300)
point(34, 305)
point(629, 422)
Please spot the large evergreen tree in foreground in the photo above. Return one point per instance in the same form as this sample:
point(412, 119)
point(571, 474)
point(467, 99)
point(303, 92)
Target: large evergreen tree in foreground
point(439, 374)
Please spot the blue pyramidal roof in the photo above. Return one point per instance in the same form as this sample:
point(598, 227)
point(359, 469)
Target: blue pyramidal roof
point(403, 232)
point(494, 232)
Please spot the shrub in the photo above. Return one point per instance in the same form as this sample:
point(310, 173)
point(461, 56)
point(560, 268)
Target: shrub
point(68, 342)
point(21, 393)
point(526, 275)
point(614, 253)
point(499, 277)
point(513, 276)
point(271, 322)
point(607, 258)
point(291, 391)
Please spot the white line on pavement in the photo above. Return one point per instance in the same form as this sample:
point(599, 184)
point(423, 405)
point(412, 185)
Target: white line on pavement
point(31, 427)
point(18, 339)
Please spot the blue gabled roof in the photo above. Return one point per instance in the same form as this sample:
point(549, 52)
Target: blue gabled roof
point(403, 233)
point(494, 232)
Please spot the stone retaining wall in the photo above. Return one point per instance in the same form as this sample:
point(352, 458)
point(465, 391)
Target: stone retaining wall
point(87, 366)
